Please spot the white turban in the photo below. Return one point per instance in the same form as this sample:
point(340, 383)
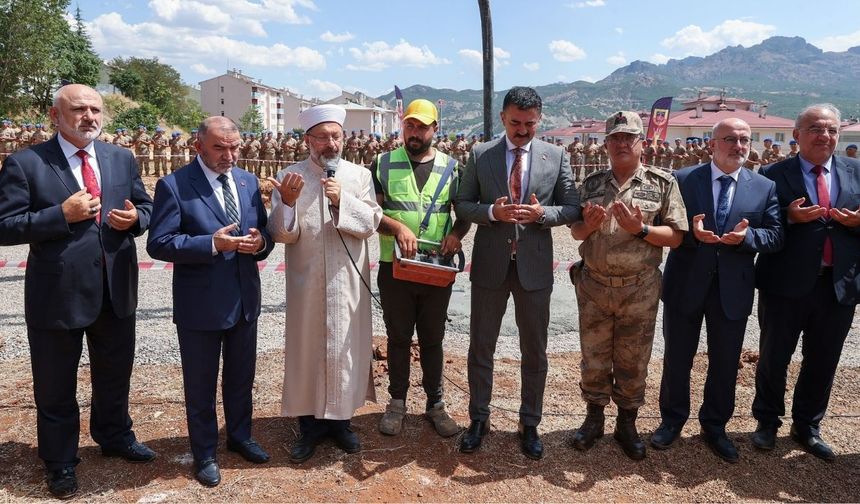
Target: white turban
point(320, 114)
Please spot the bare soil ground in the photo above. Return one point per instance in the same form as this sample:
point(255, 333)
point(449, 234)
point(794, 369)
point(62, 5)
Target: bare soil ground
point(420, 466)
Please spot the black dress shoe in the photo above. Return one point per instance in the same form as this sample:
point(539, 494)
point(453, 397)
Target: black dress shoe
point(530, 442)
point(303, 449)
point(62, 483)
point(249, 449)
point(346, 440)
point(722, 446)
point(135, 452)
point(208, 473)
point(764, 437)
point(665, 436)
point(813, 444)
point(474, 435)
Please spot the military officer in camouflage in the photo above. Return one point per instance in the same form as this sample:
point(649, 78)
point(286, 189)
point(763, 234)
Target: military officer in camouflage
point(630, 212)
point(649, 153)
point(767, 152)
point(191, 145)
point(268, 152)
point(142, 147)
point(793, 149)
point(40, 135)
point(177, 151)
point(679, 155)
point(161, 152)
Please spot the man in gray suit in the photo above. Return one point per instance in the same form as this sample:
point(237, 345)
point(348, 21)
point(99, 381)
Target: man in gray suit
point(516, 190)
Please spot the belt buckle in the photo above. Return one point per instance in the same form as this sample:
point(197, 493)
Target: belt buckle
point(616, 281)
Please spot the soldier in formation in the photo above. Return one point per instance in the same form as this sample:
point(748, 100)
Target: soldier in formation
point(161, 152)
point(142, 149)
point(177, 151)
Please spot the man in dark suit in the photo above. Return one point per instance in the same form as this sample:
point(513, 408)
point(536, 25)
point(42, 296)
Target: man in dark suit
point(733, 215)
point(516, 189)
point(81, 278)
point(813, 285)
point(209, 220)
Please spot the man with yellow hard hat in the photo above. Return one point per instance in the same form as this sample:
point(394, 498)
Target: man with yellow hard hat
point(408, 180)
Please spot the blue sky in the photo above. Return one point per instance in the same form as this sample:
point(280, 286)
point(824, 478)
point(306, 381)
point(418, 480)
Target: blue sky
point(318, 47)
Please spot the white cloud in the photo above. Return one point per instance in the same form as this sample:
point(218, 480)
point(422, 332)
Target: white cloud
point(376, 56)
point(336, 37)
point(500, 56)
point(588, 78)
point(324, 89)
point(659, 59)
point(177, 45)
point(563, 50)
point(619, 30)
point(230, 17)
point(532, 67)
point(617, 59)
point(203, 69)
point(839, 43)
point(589, 3)
point(695, 41)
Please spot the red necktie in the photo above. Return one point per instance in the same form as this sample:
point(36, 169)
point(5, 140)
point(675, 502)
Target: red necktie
point(516, 186)
point(516, 181)
point(824, 201)
point(89, 177)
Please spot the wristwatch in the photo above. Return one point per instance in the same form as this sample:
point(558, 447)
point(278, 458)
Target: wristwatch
point(645, 230)
point(542, 219)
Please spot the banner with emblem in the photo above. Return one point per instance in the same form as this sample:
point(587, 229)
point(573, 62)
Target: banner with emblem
point(658, 124)
point(398, 101)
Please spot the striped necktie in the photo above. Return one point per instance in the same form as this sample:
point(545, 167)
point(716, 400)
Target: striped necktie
point(230, 207)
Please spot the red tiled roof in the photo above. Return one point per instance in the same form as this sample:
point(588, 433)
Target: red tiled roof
point(853, 127)
point(717, 99)
point(684, 118)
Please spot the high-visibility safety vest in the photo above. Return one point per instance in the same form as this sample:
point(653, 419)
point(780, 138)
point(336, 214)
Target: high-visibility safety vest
point(404, 203)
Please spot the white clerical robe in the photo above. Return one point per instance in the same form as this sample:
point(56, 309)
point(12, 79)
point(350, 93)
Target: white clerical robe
point(328, 334)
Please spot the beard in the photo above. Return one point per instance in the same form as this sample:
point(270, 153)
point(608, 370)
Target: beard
point(88, 135)
point(416, 147)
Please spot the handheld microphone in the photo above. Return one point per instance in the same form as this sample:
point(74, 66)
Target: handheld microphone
point(330, 167)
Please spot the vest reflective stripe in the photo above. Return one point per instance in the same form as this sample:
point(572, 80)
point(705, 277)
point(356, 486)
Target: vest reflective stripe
point(404, 203)
point(411, 206)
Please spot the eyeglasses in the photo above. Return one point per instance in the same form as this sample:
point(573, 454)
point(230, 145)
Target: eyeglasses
point(817, 131)
point(619, 139)
point(325, 139)
point(731, 140)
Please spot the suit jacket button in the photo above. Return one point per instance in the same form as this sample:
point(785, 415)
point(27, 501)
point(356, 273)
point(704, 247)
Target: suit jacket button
point(509, 240)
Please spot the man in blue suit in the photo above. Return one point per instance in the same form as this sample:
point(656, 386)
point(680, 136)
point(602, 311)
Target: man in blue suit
point(209, 220)
point(813, 285)
point(79, 203)
point(733, 215)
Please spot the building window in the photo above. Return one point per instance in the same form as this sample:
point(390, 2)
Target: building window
point(222, 113)
point(222, 101)
point(779, 137)
point(222, 89)
point(754, 136)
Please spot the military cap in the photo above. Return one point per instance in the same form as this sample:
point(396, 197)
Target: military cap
point(194, 130)
point(768, 139)
point(159, 129)
point(792, 142)
point(851, 146)
point(777, 144)
point(175, 134)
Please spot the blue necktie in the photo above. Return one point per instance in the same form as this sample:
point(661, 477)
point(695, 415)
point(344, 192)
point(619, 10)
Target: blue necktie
point(723, 203)
point(229, 203)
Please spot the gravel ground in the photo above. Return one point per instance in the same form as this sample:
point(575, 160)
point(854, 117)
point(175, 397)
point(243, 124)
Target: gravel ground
point(156, 334)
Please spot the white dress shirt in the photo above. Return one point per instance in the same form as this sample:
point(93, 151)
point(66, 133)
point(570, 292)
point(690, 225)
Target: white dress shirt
point(810, 180)
point(218, 189)
point(524, 170)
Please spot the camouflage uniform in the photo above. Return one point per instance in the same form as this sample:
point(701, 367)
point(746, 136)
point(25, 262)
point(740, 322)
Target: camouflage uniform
point(618, 286)
point(302, 152)
point(142, 143)
point(766, 155)
point(268, 150)
point(40, 135)
point(679, 156)
point(252, 154)
point(648, 154)
point(352, 148)
point(288, 150)
point(592, 157)
point(371, 149)
point(752, 160)
point(7, 141)
point(161, 153)
point(177, 152)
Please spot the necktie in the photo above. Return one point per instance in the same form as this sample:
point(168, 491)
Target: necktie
point(516, 181)
point(824, 201)
point(89, 177)
point(723, 203)
point(230, 207)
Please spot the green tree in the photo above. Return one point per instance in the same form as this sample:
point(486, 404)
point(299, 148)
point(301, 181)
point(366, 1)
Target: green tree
point(146, 114)
point(251, 120)
point(148, 80)
point(78, 62)
point(31, 32)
